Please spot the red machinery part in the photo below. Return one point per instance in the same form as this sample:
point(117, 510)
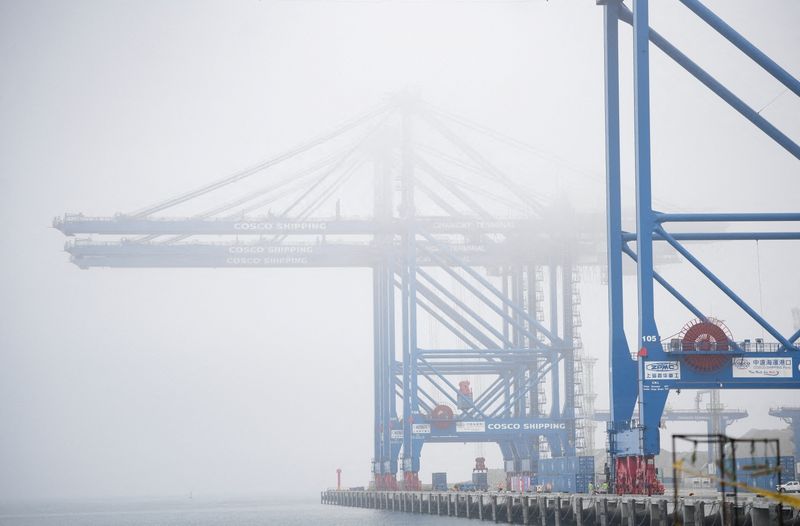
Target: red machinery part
point(636, 475)
point(708, 335)
point(411, 481)
point(441, 416)
point(385, 482)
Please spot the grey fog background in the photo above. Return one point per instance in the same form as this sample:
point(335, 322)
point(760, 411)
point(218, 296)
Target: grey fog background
point(165, 382)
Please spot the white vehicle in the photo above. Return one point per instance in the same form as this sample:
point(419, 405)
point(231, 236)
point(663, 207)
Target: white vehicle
point(790, 487)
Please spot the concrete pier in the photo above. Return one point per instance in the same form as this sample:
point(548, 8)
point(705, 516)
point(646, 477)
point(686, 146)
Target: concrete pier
point(566, 509)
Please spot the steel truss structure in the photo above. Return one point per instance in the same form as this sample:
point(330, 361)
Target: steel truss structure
point(479, 257)
point(660, 368)
point(499, 283)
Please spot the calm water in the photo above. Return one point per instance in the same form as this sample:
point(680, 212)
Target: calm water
point(206, 512)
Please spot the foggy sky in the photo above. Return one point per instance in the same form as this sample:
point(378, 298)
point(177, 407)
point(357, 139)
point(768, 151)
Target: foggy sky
point(162, 382)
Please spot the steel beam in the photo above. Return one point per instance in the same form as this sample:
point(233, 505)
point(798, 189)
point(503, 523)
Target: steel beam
point(716, 86)
point(622, 391)
point(758, 56)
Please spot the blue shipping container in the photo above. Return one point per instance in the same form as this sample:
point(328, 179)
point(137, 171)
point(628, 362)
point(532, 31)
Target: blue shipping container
point(439, 481)
point(571, 465)
point(481, 480)
point(586, 464)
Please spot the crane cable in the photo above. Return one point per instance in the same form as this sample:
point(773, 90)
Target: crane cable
point(242, 174)
point(484, 164)
point(353, 167)
point(594, 177)
point(477, 189)
point(283, 184)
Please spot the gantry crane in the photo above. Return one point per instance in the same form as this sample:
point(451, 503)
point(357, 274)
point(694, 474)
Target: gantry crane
point(495, 257)
point(706, 357)
point(473, 253)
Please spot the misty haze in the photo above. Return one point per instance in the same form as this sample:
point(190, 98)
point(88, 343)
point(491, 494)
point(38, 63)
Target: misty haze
point(329, 261)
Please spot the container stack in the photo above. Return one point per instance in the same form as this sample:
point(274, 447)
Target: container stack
point(522, 483)
point(481, 480)
point(566, 474)
point(439, 481)
point(480, 474)
point(585, 476)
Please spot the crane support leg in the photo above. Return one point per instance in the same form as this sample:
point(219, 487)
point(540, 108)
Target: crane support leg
point(623, 369)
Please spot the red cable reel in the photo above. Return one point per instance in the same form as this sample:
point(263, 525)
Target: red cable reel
point(710, 335)
point(441, 416)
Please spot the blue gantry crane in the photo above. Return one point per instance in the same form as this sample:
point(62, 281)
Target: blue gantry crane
point(706, 357)
point(473, 254)
point(475, 269)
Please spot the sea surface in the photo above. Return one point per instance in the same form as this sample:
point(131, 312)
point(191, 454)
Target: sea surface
point(290, 511)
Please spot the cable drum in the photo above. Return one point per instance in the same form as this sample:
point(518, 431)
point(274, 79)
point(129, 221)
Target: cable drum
point(705, 335)
point(441, 416)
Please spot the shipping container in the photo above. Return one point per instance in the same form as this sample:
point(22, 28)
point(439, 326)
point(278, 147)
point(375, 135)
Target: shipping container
point(583, 481)
point(481, 480)
point(520, 483)
point(564, 483)
point(586, 465)
point(567, 465)
point(439, 481)
point(569, 484)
